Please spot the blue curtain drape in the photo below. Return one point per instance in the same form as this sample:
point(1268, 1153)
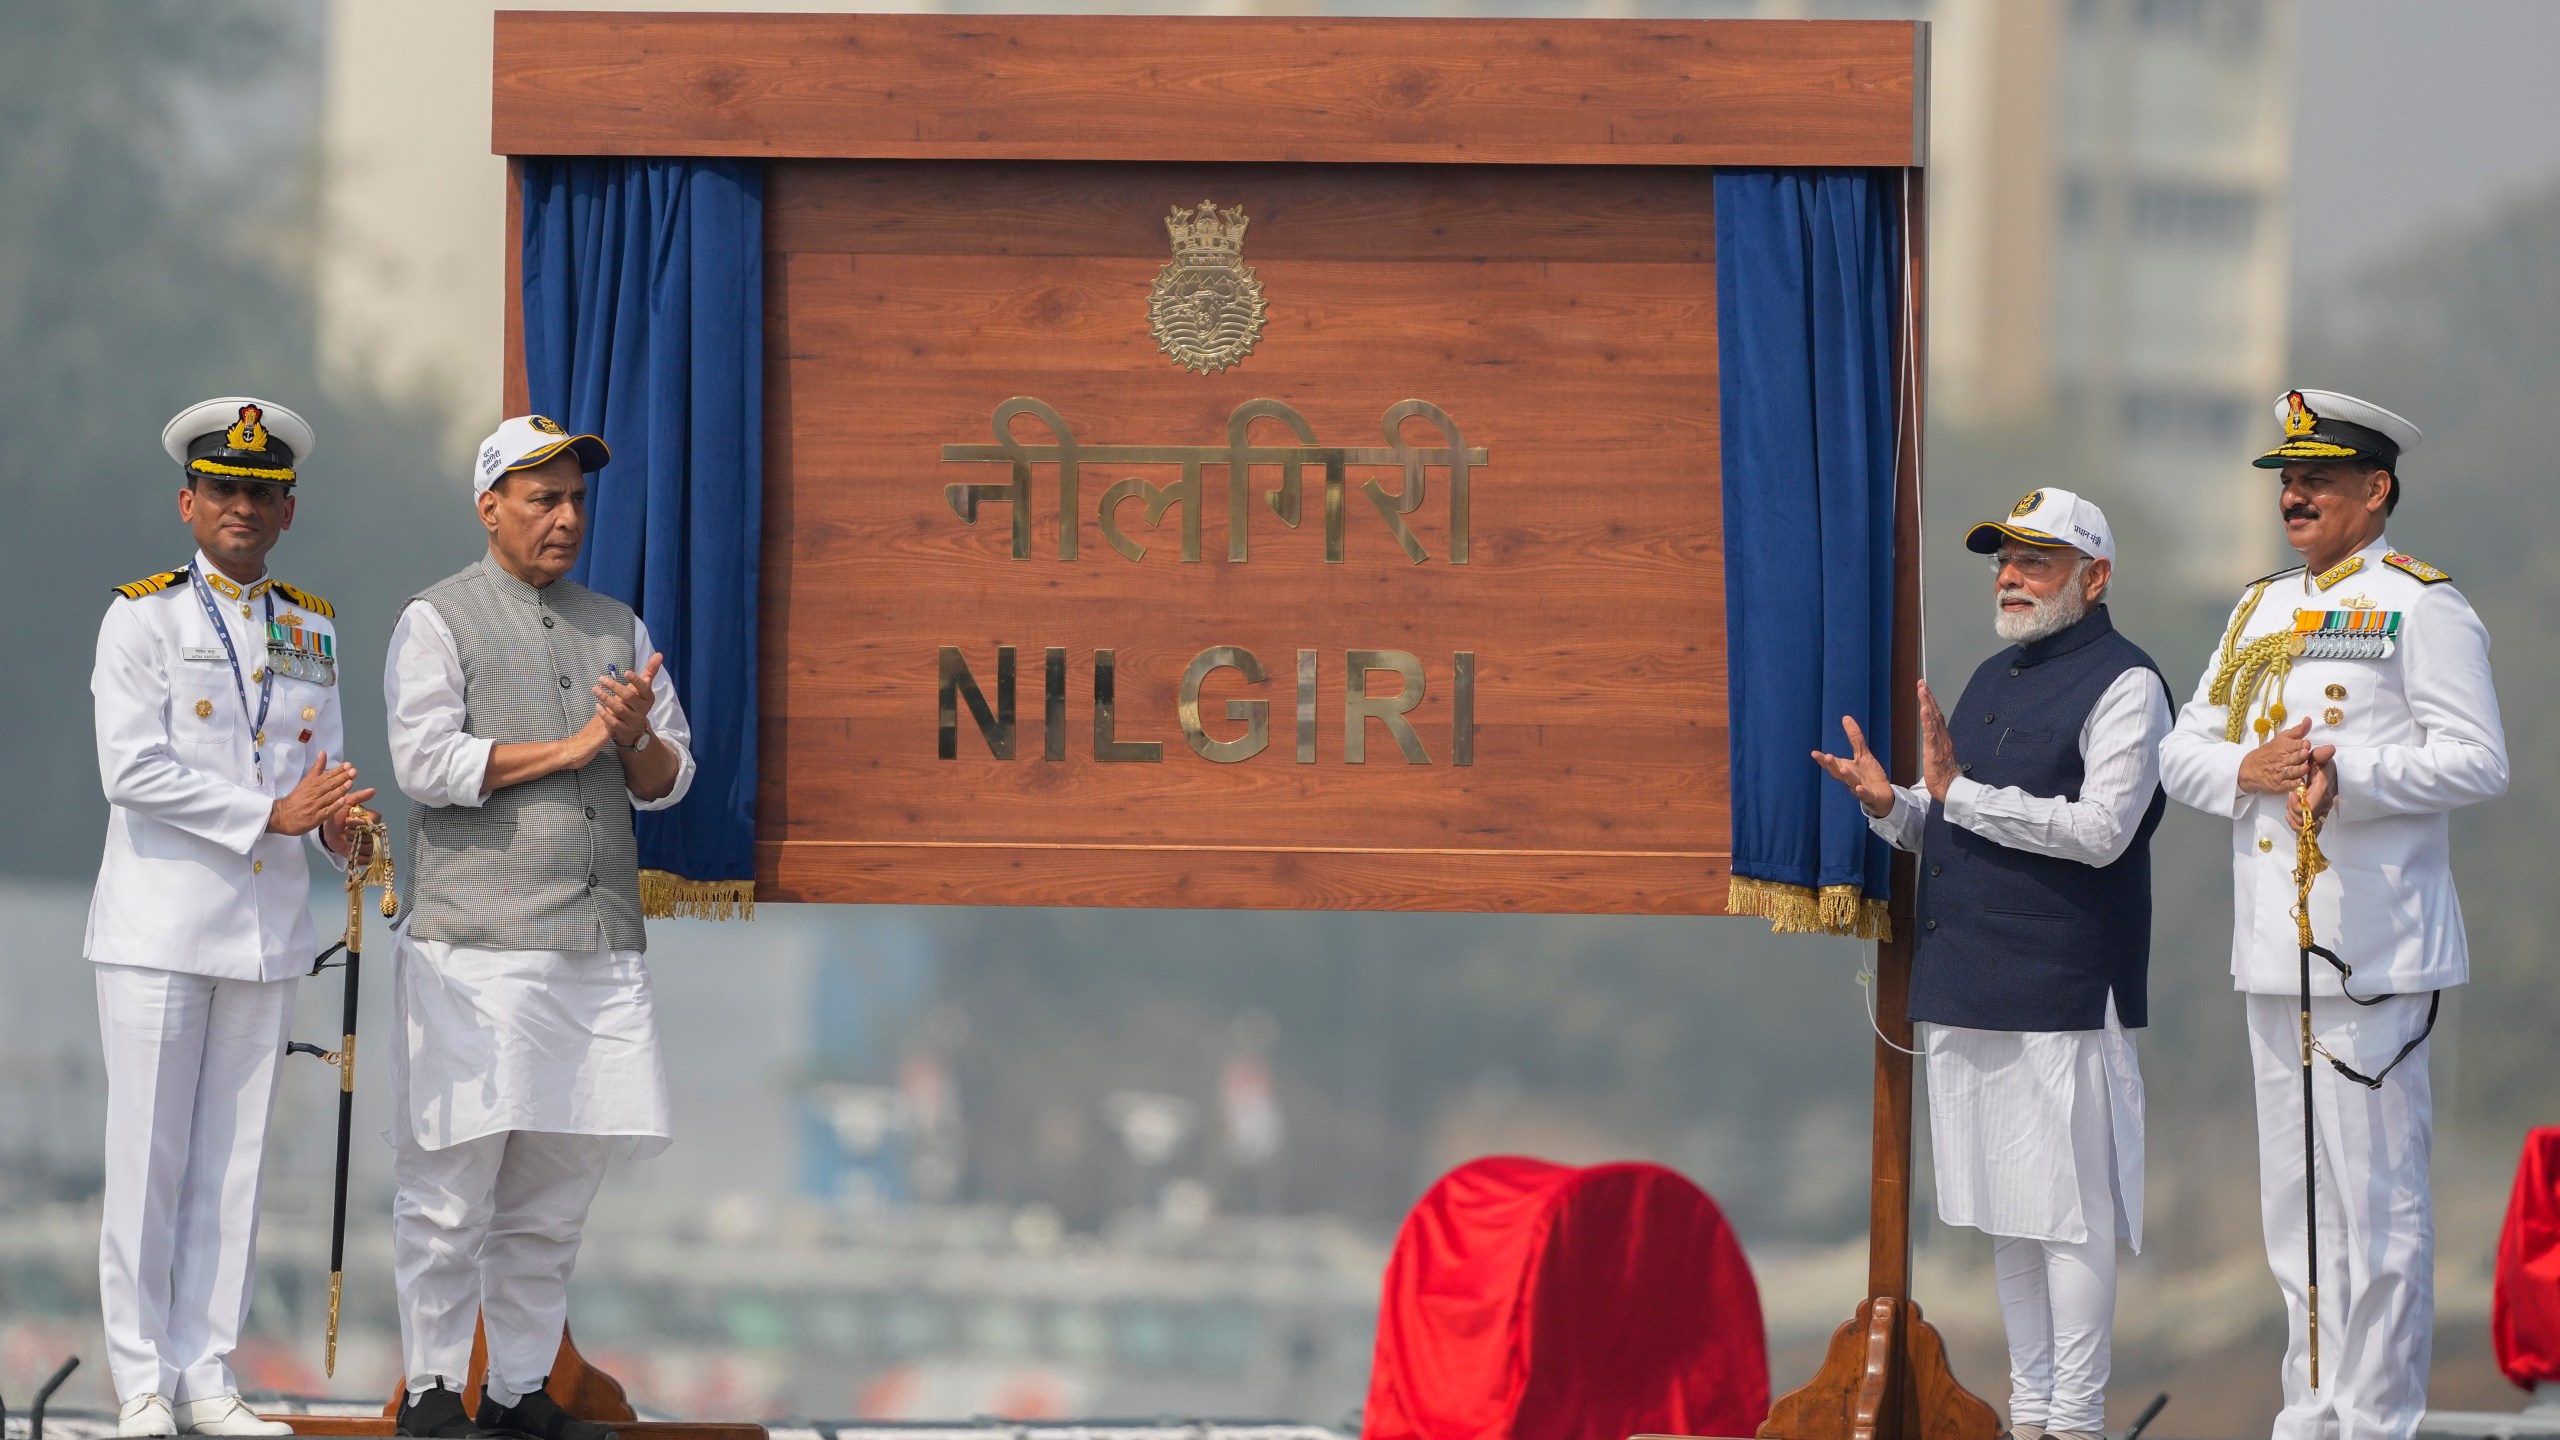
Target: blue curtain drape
point(644, 323)
point(1808, 290)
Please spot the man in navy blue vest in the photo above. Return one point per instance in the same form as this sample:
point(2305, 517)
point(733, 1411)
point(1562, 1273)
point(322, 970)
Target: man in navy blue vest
point(2033, 823)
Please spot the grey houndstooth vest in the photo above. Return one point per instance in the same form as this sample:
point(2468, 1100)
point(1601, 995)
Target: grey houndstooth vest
point(549, 864)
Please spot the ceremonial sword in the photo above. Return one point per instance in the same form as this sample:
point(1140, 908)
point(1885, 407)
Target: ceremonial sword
point(2308, 862)
point(367, 836)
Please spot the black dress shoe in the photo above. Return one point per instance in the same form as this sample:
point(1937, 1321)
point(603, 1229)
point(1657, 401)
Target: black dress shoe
point(437, 1414)
point(540, 1417)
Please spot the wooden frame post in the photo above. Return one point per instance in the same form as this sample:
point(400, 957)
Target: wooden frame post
point(1885, 1376)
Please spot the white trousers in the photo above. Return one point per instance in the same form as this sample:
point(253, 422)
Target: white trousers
point(2058, 1304)
point(488, 1230)
point(191, 1082)
point(2377, 1225)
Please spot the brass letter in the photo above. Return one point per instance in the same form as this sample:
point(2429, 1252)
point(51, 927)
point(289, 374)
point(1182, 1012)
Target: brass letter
point(966, 498)
point(1306, 707)
point(1459, 460)
point(1358, 708)
point(1184, 492)
point(1462, 713)
point(1053, 744)
point(1106, 670)
point(958, 684)
point(1255, 713)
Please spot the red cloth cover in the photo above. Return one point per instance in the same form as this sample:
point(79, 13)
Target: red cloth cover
point(2524, 1309)
point(1532, 1301)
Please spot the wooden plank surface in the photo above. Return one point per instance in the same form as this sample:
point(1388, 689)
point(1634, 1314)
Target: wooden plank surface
point(1207, 88)
point(906, 302)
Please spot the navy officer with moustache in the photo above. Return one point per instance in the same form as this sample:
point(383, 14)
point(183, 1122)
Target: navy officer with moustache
point(2357, 682)
point(217, 715)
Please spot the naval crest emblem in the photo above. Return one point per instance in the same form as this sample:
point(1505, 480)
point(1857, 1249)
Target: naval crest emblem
point(1206, 308)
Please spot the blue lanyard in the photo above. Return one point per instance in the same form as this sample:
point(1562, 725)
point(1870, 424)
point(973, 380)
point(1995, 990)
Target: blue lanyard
point(266, 680)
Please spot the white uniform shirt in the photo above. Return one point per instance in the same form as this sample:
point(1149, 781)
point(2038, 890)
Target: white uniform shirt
point(2418, 735)
point(497, 1040)
point(192, 881)
point(2026, 1126)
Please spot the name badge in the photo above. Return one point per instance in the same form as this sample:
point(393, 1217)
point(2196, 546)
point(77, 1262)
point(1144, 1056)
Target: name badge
point(208, 653)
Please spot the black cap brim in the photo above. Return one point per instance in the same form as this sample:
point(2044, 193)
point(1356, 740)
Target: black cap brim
point(1985, 538)
point(591, 451)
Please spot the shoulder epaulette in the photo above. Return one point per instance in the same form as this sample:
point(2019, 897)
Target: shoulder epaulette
point(2420, 570)
point(306, 600)
point(151, 584)
point(2288, 570)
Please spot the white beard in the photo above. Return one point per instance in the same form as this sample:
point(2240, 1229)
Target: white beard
point(2048, 617)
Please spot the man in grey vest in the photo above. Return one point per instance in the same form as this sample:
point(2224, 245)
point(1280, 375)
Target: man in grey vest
point(528, 720)
point(2033, 822)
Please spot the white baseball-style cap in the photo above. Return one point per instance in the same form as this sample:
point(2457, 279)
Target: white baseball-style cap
point(2051, 516)
point(527, 441)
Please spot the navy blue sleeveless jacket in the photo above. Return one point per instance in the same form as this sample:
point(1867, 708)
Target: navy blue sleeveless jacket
point(2011, 940)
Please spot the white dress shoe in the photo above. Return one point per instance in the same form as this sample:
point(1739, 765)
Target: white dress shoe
point(146, 1415)
point(226, 1415)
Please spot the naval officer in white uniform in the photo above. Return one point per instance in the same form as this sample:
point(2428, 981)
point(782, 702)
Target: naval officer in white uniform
point(2364, 675)
point(528, 721)
point(217, 717)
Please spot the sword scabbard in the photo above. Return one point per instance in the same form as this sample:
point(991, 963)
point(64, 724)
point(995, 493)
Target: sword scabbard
point(336, 1278)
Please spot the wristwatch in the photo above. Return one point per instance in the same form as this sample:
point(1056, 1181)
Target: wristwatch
point(636, 746)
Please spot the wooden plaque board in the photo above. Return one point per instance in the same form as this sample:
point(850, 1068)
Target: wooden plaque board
point(1510, 221)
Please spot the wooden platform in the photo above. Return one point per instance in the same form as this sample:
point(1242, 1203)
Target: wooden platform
point(365, 1427)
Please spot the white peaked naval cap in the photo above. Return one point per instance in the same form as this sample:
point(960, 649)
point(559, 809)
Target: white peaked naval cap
point(527, 441)
point(2050, 516)
point(240, 437)
point(2326, 425)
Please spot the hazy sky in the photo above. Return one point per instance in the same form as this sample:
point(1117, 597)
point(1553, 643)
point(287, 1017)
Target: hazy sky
point(2413, 113)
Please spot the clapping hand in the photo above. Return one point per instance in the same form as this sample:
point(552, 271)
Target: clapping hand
point(319, 800)
point(1938, 768)
point(623, 698)
point(1861, 772)
point(2280, 764)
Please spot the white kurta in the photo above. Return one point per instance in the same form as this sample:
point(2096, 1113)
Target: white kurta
point(499, 1040)
point(2023, 1124)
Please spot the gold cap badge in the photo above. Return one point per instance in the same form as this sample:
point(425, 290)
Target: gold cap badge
point(249, 432)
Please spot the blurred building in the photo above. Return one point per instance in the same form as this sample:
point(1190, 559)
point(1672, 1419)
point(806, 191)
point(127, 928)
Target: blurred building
point(2110, 244)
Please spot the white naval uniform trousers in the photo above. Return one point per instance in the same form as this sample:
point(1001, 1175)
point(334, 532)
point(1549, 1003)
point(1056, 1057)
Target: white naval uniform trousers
point(198, 928)
point(2418, 736)
point(2036, 1137)
point(516, 1073)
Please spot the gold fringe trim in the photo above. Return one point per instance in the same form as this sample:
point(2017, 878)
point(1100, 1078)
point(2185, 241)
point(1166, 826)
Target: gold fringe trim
point(672, 897)
point(1799, 910)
